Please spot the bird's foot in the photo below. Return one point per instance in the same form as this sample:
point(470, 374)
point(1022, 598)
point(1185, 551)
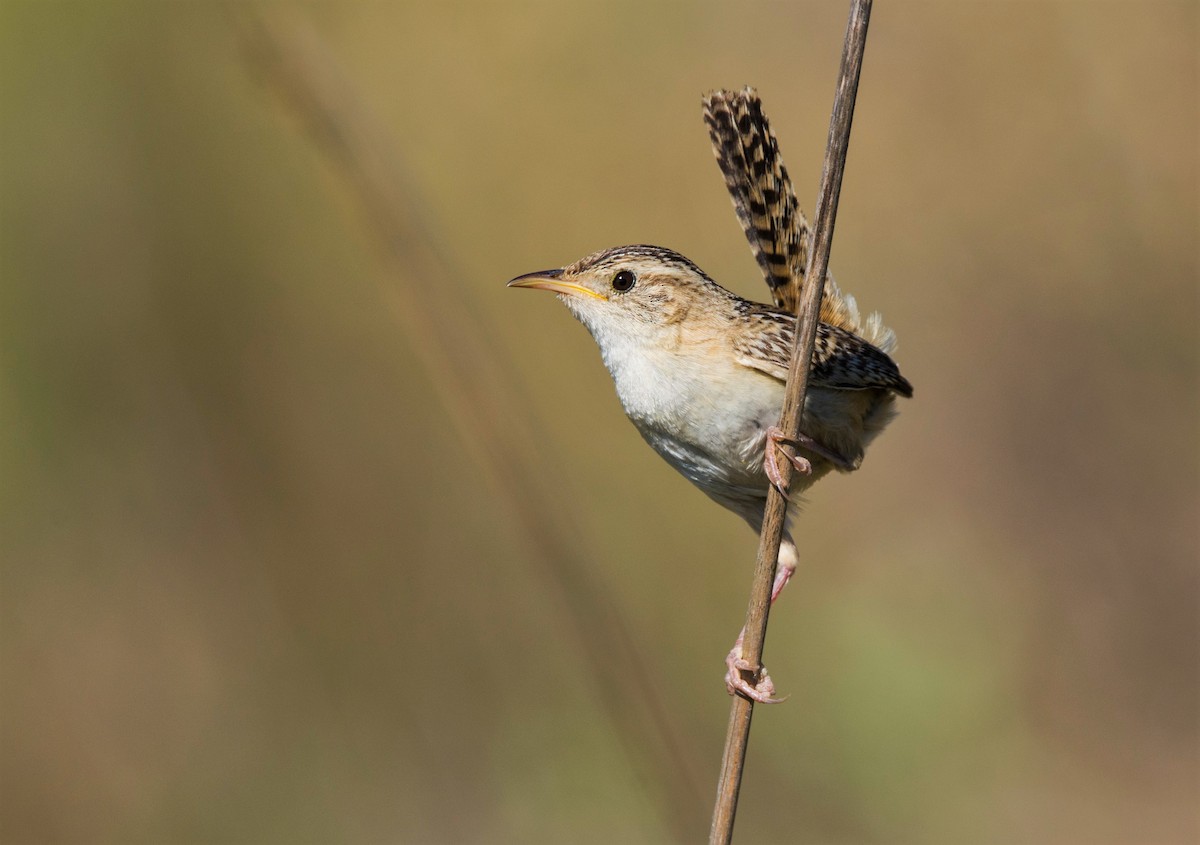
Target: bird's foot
point(776, 440)
point(763, 688)
point(775, 443)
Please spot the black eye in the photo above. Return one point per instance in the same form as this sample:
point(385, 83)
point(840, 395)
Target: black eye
point(623, 281)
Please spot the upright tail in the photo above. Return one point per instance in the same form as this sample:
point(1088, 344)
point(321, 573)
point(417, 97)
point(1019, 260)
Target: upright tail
point(766, 206)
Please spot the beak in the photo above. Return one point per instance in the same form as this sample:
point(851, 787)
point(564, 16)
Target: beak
point(552, 280)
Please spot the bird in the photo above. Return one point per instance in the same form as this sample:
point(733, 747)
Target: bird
point(701, 372)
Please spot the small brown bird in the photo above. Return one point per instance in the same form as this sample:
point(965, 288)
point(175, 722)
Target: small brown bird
point(700, 372)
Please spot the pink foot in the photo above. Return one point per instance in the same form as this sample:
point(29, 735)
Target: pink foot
point(775, 443)
point(762, 691)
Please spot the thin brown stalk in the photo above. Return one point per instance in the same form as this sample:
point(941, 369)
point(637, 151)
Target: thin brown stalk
point(738, 733)
point(483, 401)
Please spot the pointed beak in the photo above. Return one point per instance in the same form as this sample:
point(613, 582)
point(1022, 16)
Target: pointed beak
point(552, 280)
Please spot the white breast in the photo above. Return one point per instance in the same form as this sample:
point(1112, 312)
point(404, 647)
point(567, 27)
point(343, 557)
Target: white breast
point(705, 414)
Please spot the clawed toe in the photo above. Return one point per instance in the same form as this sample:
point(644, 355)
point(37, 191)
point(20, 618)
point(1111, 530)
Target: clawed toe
point(775, 442)
point(735, 682)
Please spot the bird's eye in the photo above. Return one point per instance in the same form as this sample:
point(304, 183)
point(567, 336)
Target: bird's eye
point(623, 281)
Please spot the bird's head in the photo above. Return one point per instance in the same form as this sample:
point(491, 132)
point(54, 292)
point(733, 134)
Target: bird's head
point(631, 293)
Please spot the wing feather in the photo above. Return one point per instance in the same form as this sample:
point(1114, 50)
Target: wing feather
point(841, 359)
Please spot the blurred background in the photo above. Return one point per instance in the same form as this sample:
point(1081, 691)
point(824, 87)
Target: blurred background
point(311, 531)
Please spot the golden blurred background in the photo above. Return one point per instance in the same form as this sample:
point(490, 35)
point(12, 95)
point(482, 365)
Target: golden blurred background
point(311, 531)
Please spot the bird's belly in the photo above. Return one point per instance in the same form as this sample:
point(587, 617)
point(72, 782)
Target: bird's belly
point(716, 439)
point(704, 468)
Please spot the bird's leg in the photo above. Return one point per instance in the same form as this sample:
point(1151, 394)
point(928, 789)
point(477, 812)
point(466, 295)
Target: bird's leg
point(763, 690)
point(775, 443)
point(776, 440)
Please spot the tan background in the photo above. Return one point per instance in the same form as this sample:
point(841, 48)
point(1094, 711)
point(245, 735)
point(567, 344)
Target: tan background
point(256, 590)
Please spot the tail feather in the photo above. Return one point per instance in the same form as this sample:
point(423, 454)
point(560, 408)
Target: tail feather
point(766, 206)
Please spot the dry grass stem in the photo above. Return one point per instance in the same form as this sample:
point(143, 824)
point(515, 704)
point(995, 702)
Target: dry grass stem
point(738, 732)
